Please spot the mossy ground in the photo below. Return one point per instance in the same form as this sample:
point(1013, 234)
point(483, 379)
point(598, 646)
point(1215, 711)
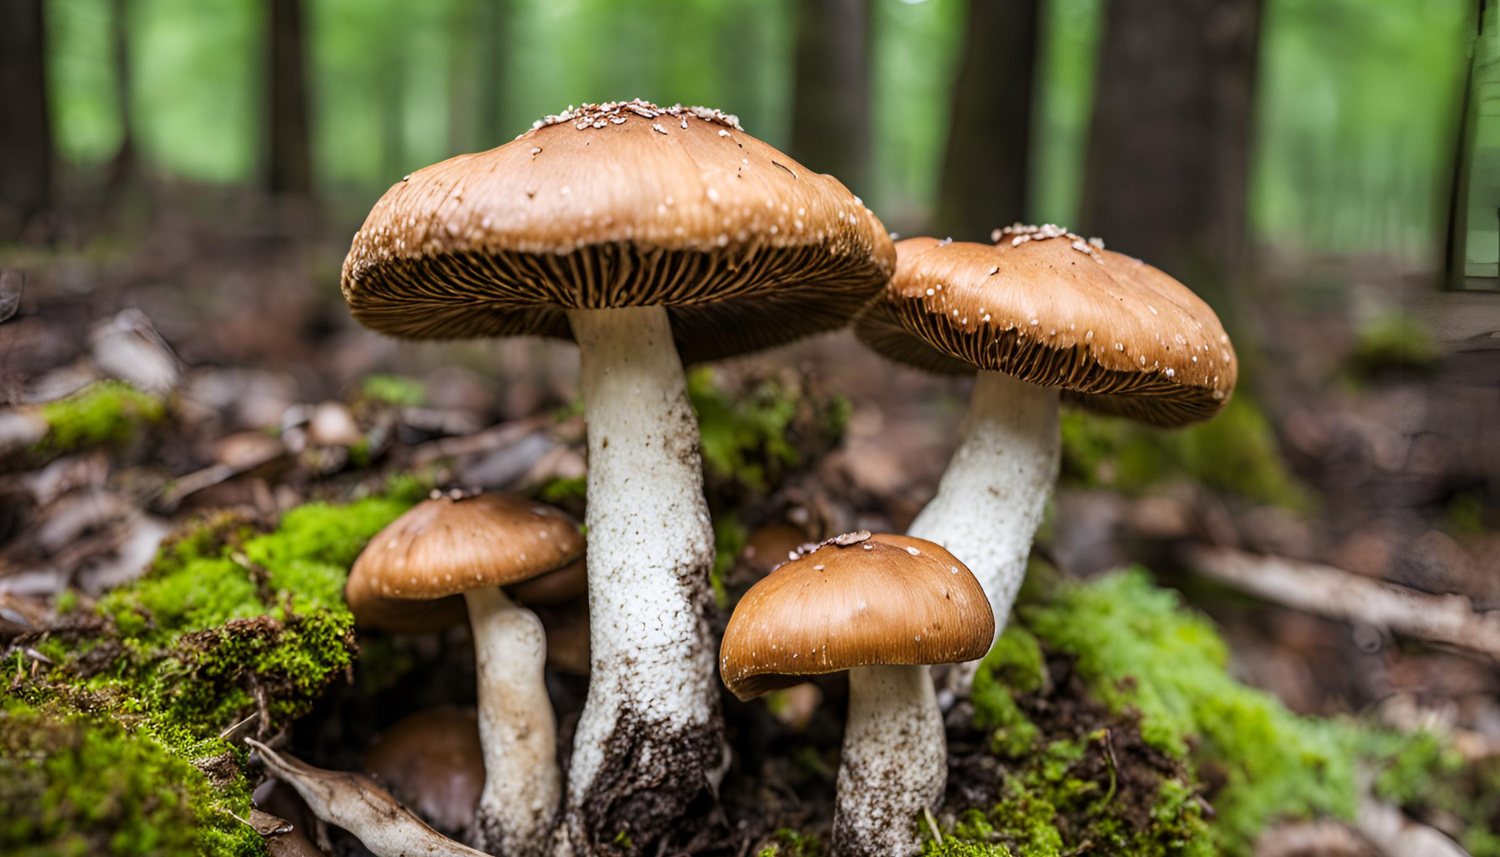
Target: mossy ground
point(101, 413)
point(1235, 453)
point(1118, 727)
point(228, 623)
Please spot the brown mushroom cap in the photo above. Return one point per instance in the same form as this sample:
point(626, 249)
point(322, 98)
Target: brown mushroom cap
point(433, 763)
point(443, 547)
point(1115, 334)
point(618, 205)
point(856, 600)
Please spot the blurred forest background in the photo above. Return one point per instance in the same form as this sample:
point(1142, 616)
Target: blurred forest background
point(180, 180)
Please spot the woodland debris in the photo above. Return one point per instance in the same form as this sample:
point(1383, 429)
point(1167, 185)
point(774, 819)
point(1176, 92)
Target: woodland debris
point(1327, 591)
point(357, 804)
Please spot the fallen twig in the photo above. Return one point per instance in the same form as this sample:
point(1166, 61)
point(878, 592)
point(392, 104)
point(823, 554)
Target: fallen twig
point(357, 804)
point(1327, 591)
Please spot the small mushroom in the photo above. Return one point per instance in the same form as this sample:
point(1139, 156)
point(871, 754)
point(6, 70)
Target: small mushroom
point(1043, 316)
point(432, 762)
point(471, 546)
point(882, 607)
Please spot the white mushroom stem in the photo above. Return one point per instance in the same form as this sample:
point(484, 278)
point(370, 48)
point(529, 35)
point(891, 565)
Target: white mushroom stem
point(651, 722)
point(517, 729)
point(894, 765)
point(994, 493)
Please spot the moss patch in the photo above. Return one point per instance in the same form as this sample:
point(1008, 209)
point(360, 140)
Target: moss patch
point(1394, 342)
point(75, 785)
point(1234, 453)
point(228, 623)
point(103, 412)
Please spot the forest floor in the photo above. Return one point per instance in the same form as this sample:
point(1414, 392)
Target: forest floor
point(196, 442)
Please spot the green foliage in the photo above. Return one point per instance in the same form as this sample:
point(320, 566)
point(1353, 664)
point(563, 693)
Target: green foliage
point(729, 540)
point(394, 390)
point(1425, 772)
point(1014, 665)
point(1394, 342)
point(564, 488)
point(743, 437)
point(790, 843)
point(77, 785)
point(1235, 453)
point(1138, 648)
point(103, 412)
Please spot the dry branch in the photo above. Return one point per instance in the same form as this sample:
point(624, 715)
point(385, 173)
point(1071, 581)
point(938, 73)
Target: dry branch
point(1327, 591)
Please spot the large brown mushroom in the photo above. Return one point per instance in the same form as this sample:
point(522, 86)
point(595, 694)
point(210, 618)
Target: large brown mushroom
point(1043, 316)
point(648, 235)
point(472, 546)
point(883, 608)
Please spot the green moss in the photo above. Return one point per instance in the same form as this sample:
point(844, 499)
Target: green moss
point(1014, 664)
point(77, 785)
point(790, 843)
point(1235, 453)
point(1139, 649)
point(963, 848)
point(564, 488)
point(227, 623)
point(729, 540)
point(1424, 773)
point(743, 437)
point(1393, 342)
point(103, 412)
point(393, 390)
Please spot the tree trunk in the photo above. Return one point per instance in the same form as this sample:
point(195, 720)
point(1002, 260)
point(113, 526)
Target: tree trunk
point(1169, 148)
point(986, 171)
point(831, 94)
point(494, 36)
point(290, 158)
point(25, 129)
point(123, 167)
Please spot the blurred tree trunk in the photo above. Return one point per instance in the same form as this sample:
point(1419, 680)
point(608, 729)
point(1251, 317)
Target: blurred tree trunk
point(476, 75)
point(124, 166)
point(290, 157)
point(986, 170)
point(1169, 148)
point(25, 127)
point(831, 92)
point(494, 36)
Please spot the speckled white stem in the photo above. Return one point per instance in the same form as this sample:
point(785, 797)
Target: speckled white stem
point(994, 493)
point(895, 762)
point(651, 722)
point(517, 729)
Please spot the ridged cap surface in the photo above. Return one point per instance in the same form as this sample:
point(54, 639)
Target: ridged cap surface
point(1115, 334)
point(618, 205)
point(442, 547)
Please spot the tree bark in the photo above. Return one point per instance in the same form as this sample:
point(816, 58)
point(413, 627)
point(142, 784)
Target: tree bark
point(1169, 148)
point(123, 167)
point(290, 160)
point(831, 93)
point(25, 125)
point(494, 25)
point(986, 170)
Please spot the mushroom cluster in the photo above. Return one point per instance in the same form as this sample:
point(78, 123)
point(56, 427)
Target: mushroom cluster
point(651, 236)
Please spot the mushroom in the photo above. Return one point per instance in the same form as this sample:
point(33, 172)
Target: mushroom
point(432, 761)
point(649, 235)
point(884, 608)
point(1045, 314)
point(471, 546)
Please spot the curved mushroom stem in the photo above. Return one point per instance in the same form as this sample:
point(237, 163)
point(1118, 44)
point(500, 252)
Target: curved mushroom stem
point(650, 740)
point(994, 493)
point(517, 729)
point(895, 761)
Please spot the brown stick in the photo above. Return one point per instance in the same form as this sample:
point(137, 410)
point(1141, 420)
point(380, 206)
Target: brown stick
point(1327, 591)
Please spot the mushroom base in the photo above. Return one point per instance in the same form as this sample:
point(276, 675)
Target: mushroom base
point(517, 728)
point(994, 493)
point(895, 762)
point(649, 742)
